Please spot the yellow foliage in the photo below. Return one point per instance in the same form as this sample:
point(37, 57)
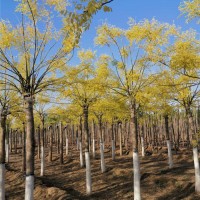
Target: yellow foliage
point(185, 55)
point(86, 55)
point(191, 8)
point(6, 35)
point(28, 7)
point(106, 34)
point(58, 4)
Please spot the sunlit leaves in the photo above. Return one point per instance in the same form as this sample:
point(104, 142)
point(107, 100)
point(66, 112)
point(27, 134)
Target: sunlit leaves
point(7, 38)
point(107, 34)
point(191, 9)
point(185, 55)
point(59, 5)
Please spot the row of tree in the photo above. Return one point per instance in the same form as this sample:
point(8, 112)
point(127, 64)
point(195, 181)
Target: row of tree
point(153, 67)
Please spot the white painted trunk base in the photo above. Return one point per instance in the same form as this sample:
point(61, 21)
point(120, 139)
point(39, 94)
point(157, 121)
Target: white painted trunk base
point(88, 174)
point(136, 177)
point(29, 187)
point(103, 167)
point(81, 154)
point(142, 144)
point(67, 145)
point(7, 153)
point(113, 150)
point(2, 181)
point(93, 148)
point(196, 168)
point(170, 160)
point(42, 161)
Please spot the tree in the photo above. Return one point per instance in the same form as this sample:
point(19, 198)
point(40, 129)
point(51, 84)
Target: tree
point(85, 83)
point(41, 110)
point(131, 50)
point(182, 60)
point(8, 102)
point(31, 53)
point(106, 109)
point(191, 9)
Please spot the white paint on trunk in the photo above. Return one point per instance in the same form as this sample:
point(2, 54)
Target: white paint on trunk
point(29, 187)
point(103, 167)
point(88, 174)
point(81, 155)
point(42, 161)
point(7, 152)
point(196, 167)
point(113, 150)
point(93, 148)
point(142, 144)
point(2, 181)
point(67, 145)
point(170, 160)
point(136, 177)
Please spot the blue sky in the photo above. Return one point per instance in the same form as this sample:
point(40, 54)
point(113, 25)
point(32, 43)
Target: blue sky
point(162, 10)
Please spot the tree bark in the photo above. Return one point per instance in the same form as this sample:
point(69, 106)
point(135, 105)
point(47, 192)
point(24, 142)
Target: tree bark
point(93, 139)
point(7, 144)
point(80, 143)
point(170, 160)
point(30, 148)
point(120, 139)
point(136, 163)
point(24, 149)
point(61, 143)
point(38, 142)
point(2, 154)
point(195, 148)
point(113, 142)
point(87, 155)
point(50, 143)
point(42, 150)
point(103, 167)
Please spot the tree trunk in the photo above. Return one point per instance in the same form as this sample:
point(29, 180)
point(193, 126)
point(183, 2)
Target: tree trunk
point(67, 142)
point(120, 139)
point(87, 155)
point(30, 148)
point(24, 149)
point(142, 141)
point(195, 148)
point(136, 163)
point(113, 143)
point(61, 143)
point(15, 141)
point(7, 144)
point(58, 139)
point(38, 142)
point(170, 160)
point(50, 143)
point(80, 144)
point(2, 155)
point(103, 167)
point(196, 168)
point(93, 139)
point(77, 139)
point(42, 150)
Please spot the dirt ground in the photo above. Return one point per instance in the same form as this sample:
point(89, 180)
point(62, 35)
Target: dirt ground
point(67, 181)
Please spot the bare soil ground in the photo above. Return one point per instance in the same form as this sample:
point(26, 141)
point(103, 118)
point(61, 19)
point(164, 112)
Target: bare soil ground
point(67, 181)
